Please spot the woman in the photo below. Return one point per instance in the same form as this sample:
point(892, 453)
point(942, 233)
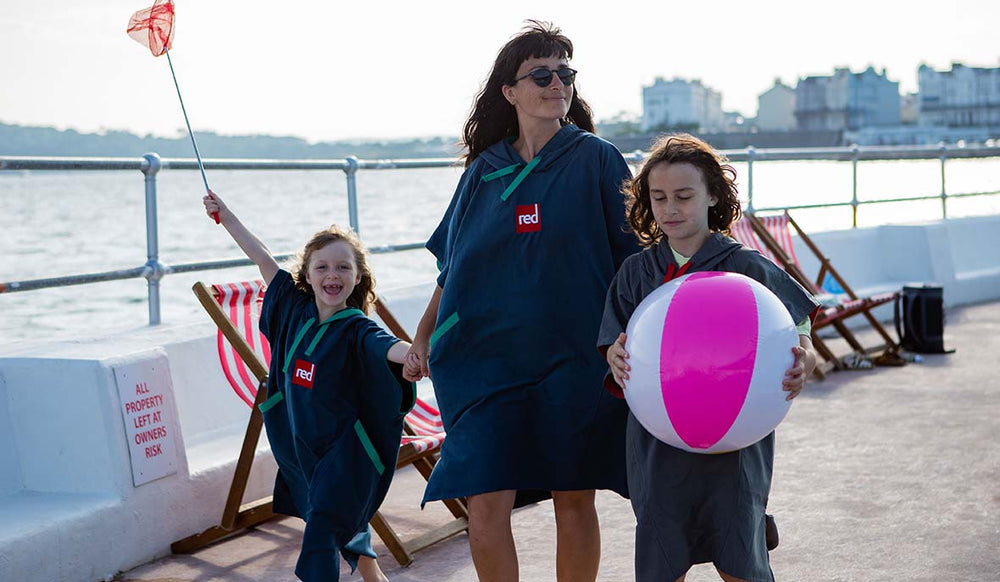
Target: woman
point(527, 248)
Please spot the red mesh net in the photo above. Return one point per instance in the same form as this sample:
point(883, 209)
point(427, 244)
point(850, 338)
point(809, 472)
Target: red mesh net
point(153, 27)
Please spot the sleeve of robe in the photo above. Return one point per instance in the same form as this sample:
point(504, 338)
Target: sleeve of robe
point(442, 239)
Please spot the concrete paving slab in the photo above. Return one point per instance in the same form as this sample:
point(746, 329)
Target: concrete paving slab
point(884, 474)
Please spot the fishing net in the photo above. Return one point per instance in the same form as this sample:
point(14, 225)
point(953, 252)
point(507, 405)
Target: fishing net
point(153, 27)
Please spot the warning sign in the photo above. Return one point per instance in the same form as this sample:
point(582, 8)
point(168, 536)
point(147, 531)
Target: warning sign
point(147, 409)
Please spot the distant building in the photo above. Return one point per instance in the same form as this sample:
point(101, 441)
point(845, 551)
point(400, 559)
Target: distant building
point(961, 97)
point(681, 103)
point(909, 108)
point(847, 101)
point(776, 108)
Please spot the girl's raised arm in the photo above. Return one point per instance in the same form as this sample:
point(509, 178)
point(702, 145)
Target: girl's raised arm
point(254, 249)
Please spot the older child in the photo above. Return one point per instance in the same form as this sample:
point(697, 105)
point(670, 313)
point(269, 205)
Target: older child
point(337, 397)
point(693, 508)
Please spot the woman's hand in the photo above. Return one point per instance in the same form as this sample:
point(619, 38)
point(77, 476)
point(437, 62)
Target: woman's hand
point(618, 360)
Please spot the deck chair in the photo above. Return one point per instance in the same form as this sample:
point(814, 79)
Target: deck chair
point(245, 356)
point(771, 236)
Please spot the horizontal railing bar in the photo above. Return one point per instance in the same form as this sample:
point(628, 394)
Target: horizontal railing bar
point(876, 201)
point(139, 272)
point(240, 164)
point(53, 163)
point(34, 284)
point(867, 153)
point(395, 248)
point(967, 194)
point(217, 264)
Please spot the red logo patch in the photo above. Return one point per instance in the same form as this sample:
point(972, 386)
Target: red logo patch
point(303, 374)
point(528, 218)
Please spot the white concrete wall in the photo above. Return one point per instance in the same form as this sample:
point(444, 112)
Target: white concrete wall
point(960, 255)
point(69, 511)
point(10, 467)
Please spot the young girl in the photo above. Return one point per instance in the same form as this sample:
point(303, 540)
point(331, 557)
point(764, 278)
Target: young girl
point(693, 508)
point(337, 398)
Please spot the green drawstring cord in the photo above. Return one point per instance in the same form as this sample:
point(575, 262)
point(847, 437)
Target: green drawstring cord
point(500, 173)
point(520, 178)
point(510, 170)
point(295, 344)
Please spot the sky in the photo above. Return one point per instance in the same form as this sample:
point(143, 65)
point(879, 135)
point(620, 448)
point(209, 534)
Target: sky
point(332, 70)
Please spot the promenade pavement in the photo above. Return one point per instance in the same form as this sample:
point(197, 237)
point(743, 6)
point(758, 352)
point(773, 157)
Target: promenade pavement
point(886, 474)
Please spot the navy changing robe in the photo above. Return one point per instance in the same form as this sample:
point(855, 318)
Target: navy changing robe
point(334, 417)
point(692, 508)
point(527, 251)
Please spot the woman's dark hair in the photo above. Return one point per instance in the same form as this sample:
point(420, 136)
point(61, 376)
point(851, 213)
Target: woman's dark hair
point(493, 118)
point(719, 176)
point(363, 296)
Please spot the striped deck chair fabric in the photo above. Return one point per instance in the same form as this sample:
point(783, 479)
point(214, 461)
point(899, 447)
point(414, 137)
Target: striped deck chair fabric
point(777, 227)
point(241, 302)
point(753, 229)
point(425, 422)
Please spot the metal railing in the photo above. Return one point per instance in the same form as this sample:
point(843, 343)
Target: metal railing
point(151, 164)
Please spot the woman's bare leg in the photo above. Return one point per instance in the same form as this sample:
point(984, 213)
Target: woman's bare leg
point(490, 536)
point(729, 578)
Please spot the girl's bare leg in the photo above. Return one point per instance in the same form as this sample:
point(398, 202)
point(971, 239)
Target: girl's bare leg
point(369, 570)
point(578, 536)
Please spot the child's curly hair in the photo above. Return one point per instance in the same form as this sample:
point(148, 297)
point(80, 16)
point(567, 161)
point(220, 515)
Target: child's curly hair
point(363, 296)
point(720, 178)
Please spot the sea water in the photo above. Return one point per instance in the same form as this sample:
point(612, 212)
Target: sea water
point(58, 223)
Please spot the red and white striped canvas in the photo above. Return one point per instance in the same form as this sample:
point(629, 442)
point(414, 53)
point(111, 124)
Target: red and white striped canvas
point(744, 234)
point(241, 302)
point(425, 420)
point(777, 227)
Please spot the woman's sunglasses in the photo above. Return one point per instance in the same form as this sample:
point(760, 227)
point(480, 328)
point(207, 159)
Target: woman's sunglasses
point(543, 77)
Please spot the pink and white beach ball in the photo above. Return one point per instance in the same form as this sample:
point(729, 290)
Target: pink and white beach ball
point(708, 352)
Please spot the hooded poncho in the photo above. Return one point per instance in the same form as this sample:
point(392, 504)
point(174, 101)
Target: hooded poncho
point(692, 508)
point(334, 417)
point(527, 251)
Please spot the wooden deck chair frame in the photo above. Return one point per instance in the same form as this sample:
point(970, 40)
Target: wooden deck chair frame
point(236, 517)
point(830, 317)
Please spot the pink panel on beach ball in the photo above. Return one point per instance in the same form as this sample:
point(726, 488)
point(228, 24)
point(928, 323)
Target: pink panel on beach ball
point(710, 326)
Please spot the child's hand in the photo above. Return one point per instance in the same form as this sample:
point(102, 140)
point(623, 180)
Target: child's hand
point(417, 356)
point(214, 206)
point(618, 360)
point(795, 377)
point(411, 367)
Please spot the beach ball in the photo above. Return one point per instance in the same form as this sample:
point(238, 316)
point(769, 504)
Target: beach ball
point(708, 352)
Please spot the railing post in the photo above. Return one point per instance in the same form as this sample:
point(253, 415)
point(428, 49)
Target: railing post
point(750, 151)
point(944, 192)
point(855, 154)
point(153, 268)
point(352, 192)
